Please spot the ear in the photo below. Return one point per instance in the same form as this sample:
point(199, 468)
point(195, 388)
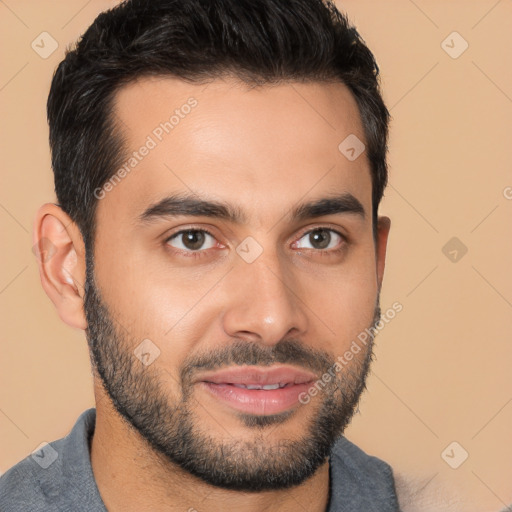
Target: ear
point(383, 227)
point(60, 252)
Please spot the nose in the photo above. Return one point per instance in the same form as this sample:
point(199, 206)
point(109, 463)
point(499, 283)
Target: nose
point(264, 302)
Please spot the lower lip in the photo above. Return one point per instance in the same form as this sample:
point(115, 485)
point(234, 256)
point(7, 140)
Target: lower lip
point(258, 401)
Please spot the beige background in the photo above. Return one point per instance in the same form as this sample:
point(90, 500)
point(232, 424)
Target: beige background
point(443, 369)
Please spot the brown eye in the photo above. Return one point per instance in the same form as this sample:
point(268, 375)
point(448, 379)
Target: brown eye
point(191, 240)
point(320, 239)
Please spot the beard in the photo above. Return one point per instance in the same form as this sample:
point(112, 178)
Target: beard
point(168, 424)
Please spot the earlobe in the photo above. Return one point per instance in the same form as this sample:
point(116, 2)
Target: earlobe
point(60, 252)
point(383, 227)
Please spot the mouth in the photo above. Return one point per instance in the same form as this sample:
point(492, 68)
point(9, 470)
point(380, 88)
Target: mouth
point(266, 386)
point(257, 390)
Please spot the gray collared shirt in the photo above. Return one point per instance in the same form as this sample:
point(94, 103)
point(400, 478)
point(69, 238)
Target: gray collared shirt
point(59, 477)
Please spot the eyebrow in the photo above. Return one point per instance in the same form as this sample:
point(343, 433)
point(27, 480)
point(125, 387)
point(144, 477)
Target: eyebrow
point(181, 204)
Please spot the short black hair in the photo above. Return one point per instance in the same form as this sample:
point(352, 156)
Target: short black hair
point(257, 41)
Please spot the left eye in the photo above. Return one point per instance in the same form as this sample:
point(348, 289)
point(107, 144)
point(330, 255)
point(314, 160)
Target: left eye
point(320, 239)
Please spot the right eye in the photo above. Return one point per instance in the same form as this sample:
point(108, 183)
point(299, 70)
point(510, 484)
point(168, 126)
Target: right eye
point(191, 240)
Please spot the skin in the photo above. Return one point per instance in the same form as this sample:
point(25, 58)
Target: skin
point(265, 150)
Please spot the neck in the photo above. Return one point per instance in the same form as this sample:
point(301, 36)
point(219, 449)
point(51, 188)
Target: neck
point(131, 476)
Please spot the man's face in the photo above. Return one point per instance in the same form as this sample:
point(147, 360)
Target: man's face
point(188, 311)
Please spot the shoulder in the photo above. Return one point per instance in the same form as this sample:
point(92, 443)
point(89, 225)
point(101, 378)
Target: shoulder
point(360, 464)
point(426, 493)
point(28, 484)
point(361, 480)
point(57, 475)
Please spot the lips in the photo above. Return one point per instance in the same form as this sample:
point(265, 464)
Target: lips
point(259, 376)
point(257, 390)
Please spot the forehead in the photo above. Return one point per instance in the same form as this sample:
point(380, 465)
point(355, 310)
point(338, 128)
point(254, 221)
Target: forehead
point(262, 148)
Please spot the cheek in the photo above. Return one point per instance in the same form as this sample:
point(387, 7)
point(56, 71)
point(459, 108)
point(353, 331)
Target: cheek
point(345, 299)
point(347, 309)
point(351, 310)
point(174, 311)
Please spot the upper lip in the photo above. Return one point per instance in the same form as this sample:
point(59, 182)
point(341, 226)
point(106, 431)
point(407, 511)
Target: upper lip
point(258, 375)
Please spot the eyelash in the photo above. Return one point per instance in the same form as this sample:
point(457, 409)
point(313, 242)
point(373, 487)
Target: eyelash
point(190, 254)
point(203, 252)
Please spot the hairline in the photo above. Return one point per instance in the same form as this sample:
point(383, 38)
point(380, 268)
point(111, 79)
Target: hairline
point(113, 122)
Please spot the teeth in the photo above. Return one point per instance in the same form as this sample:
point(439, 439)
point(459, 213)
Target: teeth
point(257, 386)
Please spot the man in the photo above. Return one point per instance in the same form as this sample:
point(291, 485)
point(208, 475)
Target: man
point(218, 166)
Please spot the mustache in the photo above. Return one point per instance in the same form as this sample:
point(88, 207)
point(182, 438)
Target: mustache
point(242, 353)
